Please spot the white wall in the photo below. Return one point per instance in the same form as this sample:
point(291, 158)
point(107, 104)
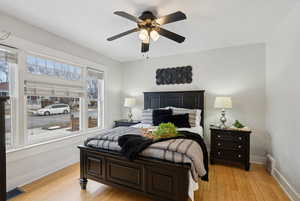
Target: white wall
point(237, 71)
point(283, 95)
point(26, 165)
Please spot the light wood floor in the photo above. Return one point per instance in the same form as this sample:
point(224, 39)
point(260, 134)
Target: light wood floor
point(226, 184)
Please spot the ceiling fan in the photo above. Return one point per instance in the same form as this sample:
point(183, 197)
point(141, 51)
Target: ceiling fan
point(149, 27)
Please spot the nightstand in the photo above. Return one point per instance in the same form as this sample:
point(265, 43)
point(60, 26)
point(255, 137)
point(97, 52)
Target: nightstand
point(125, 122)
point(230, 145)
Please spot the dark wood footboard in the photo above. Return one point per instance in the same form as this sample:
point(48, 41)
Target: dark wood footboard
point(159, 180)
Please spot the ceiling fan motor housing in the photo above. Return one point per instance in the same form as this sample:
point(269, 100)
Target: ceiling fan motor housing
point(147, 15)
point(148, 21)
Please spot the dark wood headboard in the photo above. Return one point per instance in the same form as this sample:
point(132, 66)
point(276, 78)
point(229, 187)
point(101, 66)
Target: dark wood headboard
point(180, 99)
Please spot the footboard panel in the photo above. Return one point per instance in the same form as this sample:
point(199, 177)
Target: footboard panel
point(159, 180)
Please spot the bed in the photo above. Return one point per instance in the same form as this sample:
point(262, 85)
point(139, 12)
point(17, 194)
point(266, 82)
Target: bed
point(157, 179)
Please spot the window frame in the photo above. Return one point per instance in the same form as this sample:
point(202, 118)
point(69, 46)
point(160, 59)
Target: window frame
point(18, 113)
point(41, 78)
point(100, 102)
point(83, 100)
point(18, 98)
point(12, 97)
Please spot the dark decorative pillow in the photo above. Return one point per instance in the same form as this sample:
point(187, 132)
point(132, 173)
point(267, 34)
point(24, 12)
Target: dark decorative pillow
point(181, 120)
point(164, 119)
point(157, 115)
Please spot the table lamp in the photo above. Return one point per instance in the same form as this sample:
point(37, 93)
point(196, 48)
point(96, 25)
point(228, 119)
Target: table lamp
point(130, 103)
point(223, 103)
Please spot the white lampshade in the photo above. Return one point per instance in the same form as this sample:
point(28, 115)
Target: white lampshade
point(223, 102)
point(129, 102)
point(154, 35)
point(144, 35)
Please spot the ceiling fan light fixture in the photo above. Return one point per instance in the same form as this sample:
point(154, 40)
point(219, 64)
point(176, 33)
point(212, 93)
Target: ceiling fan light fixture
point(154, 35)
point(147, 40)
point(144, 36)
point(149, 27)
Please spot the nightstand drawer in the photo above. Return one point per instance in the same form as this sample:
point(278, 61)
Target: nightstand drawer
point(229, 145)
point(228, 136)
point(229, 155)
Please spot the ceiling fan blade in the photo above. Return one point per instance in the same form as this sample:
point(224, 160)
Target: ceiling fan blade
point(171, 35)
point(174, 17)
point(123, 34)
point(145, 47)
point(128, 16)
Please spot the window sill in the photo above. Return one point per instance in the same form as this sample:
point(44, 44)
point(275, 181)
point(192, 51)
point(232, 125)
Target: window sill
point(80, 134)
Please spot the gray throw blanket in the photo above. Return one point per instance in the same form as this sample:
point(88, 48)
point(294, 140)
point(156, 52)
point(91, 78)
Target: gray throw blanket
point(174, 150)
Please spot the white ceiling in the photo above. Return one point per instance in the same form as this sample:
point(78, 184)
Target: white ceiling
point(210, 23)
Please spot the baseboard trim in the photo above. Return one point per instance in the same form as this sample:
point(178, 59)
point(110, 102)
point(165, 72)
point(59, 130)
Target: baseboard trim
point(14, 193)
point(261, 160)
point(285, 185)
point(29, 178)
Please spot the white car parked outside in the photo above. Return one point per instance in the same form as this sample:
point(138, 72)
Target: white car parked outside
point(54, 109)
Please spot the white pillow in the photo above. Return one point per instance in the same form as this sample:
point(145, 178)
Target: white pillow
point(147, 117)
point(141, 125)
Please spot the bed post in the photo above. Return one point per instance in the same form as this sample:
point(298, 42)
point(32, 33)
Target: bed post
point(83, 178)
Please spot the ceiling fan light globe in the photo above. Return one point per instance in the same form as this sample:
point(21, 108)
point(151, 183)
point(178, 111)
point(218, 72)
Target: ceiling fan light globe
point(144, 35)
point(147, 40)
point(154, 35)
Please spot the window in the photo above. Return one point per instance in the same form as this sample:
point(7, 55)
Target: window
point(51, 117)
point(53, 108)
point(95, 91)
point(41, 66)
point(59, 99)
point(8, 61)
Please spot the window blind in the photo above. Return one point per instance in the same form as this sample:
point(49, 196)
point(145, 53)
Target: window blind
point(44, 89)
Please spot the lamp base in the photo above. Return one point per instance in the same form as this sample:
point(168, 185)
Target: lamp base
point(130, 115)
point(222, 126)
point(223, 119)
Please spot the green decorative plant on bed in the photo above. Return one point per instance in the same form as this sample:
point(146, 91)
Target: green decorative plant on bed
point(165, 130)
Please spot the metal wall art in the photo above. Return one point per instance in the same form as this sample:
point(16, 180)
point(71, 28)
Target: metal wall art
point(177, 75)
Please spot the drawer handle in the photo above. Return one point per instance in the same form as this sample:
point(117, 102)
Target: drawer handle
point(219, 144)
point(240, 155)
point(219, 136)
point(240, 146)
point(240, 138)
